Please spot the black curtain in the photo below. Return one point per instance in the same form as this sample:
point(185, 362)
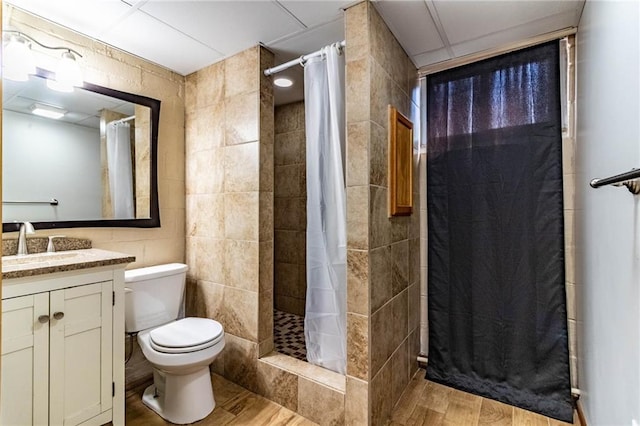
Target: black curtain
point(497, 308)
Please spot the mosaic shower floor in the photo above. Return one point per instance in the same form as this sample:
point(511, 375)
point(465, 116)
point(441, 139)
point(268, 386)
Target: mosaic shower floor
point(289, 334)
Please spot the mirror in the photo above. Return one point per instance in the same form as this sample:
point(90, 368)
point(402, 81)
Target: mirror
point(96, 166)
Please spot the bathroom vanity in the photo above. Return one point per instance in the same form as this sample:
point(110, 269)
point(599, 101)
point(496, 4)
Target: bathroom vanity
point(63, 338)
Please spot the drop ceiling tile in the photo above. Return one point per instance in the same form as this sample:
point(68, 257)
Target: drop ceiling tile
point(412, 25)
point(226, 26)
point(469, 20)
point(86, 17)
point(144, 36)
point(307, 41)
point(515, 34)
point(312, 13)
point(429, 58)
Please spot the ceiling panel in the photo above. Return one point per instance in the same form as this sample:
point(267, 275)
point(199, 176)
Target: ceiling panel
point(468, 20)
point(411, 22)
point(514, 34)
point(432, 57)
point(312, 13)
point(86, 17)
point(226, 26)
point(308, 41)
point(148, 38)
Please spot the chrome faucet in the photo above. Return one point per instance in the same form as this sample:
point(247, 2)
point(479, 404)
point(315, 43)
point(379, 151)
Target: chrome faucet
point(25, 228)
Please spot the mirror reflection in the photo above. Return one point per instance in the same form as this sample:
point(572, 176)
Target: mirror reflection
point(78, 156)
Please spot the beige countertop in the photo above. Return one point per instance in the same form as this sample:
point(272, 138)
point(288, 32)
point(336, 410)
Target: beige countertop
point(47, 263)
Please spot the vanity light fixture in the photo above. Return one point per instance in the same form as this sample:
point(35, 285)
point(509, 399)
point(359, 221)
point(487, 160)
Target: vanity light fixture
point(283, 82)
point(19, 62)
point(47, 111)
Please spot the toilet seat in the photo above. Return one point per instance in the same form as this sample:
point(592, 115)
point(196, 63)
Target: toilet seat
point(186, 335)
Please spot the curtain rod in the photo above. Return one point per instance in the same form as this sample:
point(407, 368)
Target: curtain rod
point(625, 179)
point(122, 120)
point(489, 53)
point(298, 61)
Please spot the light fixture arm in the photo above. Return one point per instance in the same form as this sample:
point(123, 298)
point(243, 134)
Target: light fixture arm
point(33, 40)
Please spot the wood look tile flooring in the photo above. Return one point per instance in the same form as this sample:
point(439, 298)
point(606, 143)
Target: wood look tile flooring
point(423, 403)
point(428, 403)
point(234, 406)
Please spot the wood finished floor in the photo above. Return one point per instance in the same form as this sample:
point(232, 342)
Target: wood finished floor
point(423, 403)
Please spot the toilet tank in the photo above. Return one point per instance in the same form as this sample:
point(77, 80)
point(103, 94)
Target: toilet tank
point(153, 295)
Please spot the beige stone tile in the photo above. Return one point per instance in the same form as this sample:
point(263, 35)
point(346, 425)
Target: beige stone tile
point(278, 385)
point(380, 395)
point(212, 295)
point(241, 167)
point(290, 148)
point(356, 402)
point(414, 351)
point(266, 147)
point(289, 304)
point(289, 118)
point(287, 213)
point(358, 153)
point(205, 215)
point(378, 155)
point(287, 181)
point(265, 275)
point(191, 92)
point(205, 128)
point(380, 93)
point(242, 118)
point(379, 223)
point(319, 403)
point(357, 91)
point(400, 308)
point(399, 266)
point(210, 85)
point(401, 101)
point(241, 72)
point(265, 316)
point(380, 273)
point(357, 31)
point(358, 282)
point(286, 247)
point(399, 371)
point(266, 346)
point(381, 339)
point(239, 313)
point(241, 216)
point(205, 172)
point(241, 264)
point(357, 219)
point(240, 361)
point(358, 346)
point(571, 300)
point(265, 231)
point(209, 260)
point(286, 281)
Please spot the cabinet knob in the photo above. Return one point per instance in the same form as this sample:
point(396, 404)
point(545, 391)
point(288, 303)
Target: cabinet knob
point(43, 319)
point(58, 315)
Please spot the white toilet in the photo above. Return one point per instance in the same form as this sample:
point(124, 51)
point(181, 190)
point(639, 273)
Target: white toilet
point(180, 351)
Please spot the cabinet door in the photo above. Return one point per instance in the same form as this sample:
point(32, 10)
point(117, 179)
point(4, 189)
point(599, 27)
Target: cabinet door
point(25, 361)
point(81, 353)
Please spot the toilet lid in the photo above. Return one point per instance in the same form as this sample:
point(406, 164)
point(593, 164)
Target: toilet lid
point(186, 335)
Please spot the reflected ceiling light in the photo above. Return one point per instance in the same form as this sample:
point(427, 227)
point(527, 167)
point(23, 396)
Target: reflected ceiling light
point(19, 62)
point(47, 111)
point(283, 82)
point(18, 59)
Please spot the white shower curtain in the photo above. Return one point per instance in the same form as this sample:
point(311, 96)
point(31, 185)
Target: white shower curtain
point(120, 172)
point(325, 316)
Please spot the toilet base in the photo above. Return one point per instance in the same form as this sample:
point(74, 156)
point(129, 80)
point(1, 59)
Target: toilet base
point(181, 399)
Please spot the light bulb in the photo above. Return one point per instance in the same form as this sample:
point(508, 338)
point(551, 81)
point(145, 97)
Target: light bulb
point(18, 61)
point(68, 74)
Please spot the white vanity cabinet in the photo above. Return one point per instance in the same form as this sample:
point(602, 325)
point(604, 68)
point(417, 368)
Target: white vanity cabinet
point(63, 348)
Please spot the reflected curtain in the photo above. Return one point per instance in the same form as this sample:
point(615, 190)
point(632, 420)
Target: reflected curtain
point(496, 290)
point(325, 313)
point(120, 170)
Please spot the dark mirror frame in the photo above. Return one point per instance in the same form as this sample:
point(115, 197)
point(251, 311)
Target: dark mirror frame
point(154, 211)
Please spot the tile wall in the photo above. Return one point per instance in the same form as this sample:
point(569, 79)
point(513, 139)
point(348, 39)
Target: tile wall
point(383, 253)
point(229, 206)
point(290, 209)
